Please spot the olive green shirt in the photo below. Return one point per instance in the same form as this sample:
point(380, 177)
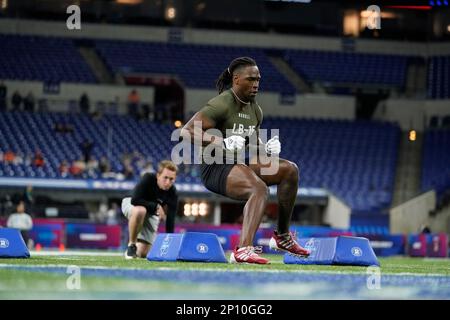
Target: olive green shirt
point(234, 118)
point(229, 114)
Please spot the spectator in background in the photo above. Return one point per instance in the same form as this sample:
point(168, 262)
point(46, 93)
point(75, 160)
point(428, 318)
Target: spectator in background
point(101, 215)
point(16, 101)
point(42, 105)
point(148, 168)
point(146, 110)
point(138, 160)
point(84, 103)
point(92, 167)
point(28, 198)
point(29, 102)
point(7, 205)
point(38, 160)
point(104, 165)
point(128, 171)
point(3, 93)
point(86, 148)
point(28, 159)
point(112, 214)
point(18, 159)
point(63, 168)
point(133, 104)
point(105, 168)
point(21, 221)
point(9, 157)
point(77, 168)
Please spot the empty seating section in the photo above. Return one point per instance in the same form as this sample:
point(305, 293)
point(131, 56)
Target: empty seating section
point(348, 68)
point(436, 160)
point(197, 66)
point(439, 77)
point(42, 59)
point(355, 160)
point(53, 59)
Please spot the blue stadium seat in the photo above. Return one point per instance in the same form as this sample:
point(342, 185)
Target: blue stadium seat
point(438, 80)
point(436, 159)
point(200, 67)
point(42, 58)
point(348, 68)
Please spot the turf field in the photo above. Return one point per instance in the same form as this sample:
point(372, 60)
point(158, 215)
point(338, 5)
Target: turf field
point(50, 275)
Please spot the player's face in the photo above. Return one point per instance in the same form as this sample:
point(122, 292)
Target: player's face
point(166, 179)
point(248, 82)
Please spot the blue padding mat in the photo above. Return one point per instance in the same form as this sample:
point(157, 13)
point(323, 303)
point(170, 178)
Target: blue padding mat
point(340, 250)
point(166, 247)
point(189, 246)
point(12, 244)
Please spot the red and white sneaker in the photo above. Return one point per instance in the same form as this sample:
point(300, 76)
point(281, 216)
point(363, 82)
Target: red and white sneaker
point(247, 255)
point(285, 242)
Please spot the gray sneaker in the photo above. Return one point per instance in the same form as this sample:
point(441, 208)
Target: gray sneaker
point(131, 252)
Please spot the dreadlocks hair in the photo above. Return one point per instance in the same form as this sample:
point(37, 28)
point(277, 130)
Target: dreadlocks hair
point(226, 77)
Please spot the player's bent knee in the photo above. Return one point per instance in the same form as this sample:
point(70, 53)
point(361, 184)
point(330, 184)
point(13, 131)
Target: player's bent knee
point(294, 168)
point(261, 189)
point(291, 170)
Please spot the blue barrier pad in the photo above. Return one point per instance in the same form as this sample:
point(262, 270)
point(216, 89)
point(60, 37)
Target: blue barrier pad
point(189, 246)
point(12, 244)
point(322, 251)
point(166, 247)
point(342, 250)
point(198, 246)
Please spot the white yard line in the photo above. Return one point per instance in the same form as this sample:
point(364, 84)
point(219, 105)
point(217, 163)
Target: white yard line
point(75, 253)
point(4, 265)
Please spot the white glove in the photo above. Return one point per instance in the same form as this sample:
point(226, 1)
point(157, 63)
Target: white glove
point(234, 143)
point(273, 146)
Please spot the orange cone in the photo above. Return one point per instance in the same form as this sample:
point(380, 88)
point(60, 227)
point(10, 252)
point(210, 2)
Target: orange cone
point(38, 247)
point(62, 247)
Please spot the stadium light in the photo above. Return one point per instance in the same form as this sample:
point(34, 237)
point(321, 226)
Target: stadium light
point(187, 209)
point(203, 209)
point(170, 13)
point(177, 123)
point(131, 2)
point(4, 5)
point(412, 135)
point(194, 209)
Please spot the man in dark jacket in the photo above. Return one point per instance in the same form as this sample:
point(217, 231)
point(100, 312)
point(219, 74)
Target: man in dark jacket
point(154, 199)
